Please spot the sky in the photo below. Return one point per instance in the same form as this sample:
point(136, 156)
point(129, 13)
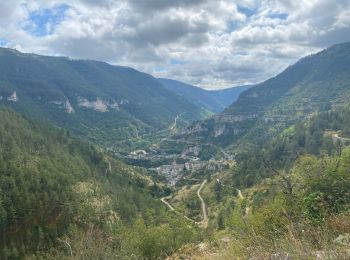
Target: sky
point(209, 43)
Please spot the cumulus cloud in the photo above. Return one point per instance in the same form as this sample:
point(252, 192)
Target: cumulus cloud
point(210, 43)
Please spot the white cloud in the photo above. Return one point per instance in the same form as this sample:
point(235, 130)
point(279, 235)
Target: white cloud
point(214, 43)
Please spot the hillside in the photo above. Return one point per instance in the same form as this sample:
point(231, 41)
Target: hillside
point(58, 194)
point(214, 100)
point(316, 83)
point(94, 100)
point(287, 198)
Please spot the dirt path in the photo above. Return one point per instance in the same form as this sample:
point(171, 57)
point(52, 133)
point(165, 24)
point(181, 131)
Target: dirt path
point(167, 204)
point(240, 195)
point(176, 212)
point(204, 208)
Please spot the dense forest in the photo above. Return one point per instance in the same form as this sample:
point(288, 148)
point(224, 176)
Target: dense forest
point(54, 189)
point(320, 135)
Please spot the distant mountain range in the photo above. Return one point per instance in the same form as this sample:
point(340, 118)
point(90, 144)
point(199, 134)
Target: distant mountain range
point(215, 100)
point(316, 83)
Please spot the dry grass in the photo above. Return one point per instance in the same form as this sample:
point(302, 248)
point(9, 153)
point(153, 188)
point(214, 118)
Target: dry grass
point(304, 242)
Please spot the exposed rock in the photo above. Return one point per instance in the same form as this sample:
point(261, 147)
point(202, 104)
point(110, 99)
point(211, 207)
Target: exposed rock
point(114, 105)
point(196, 128)
point(68, 107)
point(138, 154)
point(98, 105)
point(124, 102)
point(64, 104)
point(13, 97)
point(220, 130)
point(195, 150)
point(234, 118)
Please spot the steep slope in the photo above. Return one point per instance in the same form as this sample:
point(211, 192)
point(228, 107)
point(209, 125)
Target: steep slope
point(325, 133)
point(293, 192)
point(63, 199)
point(315, 83)
point(92, 99)
point(215, 100)
point(49, 182)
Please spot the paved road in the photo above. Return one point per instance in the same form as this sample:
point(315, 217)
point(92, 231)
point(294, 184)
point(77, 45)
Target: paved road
point(204, 208)
point(204, 222)
point(167, 204)
point(172, 209)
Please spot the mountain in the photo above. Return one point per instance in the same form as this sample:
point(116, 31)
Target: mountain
point(214, 100)
point(48, 178)
point(94, 100)
point(297, 182)
point(316, 83)
point(57, 191)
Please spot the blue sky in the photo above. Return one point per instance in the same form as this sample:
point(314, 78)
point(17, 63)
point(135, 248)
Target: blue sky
point(212, 44)
point(42, 22)
point(248, 11)
point(3, 42)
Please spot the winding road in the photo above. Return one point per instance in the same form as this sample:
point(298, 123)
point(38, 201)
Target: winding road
point(240, 195)
point(204, 221)
point(175, 122)
point(172, 209)
point(204, 208)
point(167, 204)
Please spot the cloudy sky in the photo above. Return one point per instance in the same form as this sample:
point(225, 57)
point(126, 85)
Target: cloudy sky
point(209, 43)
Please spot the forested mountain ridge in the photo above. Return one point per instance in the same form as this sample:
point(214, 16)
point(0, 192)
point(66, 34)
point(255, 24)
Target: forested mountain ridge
point(57, 192)
point(213, 100)
point(93, 99)
point(315, 83)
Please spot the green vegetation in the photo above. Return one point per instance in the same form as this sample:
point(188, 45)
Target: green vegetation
point(317, 136)
point(96, 101)
point(54, 188)
point(279, 190)
point(316, 83)
point(295, 200)
point(301, 213)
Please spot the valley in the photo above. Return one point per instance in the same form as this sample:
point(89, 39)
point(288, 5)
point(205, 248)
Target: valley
point(122, 155)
